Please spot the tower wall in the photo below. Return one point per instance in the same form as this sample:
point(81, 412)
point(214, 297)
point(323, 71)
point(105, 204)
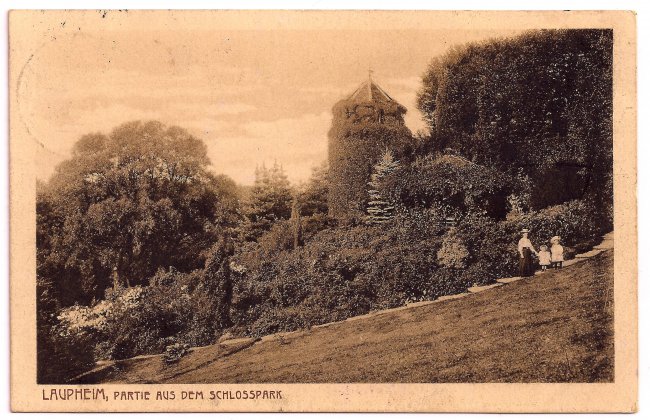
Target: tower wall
point(361, 132)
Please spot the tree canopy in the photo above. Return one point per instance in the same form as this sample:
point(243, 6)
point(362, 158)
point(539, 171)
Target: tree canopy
point(126, 204)
point(270, 201)
point(313, 195)
point(537, 106)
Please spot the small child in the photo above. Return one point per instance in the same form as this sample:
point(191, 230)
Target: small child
point(544, 257)
point(557, 252)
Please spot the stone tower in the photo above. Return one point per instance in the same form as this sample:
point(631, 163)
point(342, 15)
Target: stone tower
point(364, 125)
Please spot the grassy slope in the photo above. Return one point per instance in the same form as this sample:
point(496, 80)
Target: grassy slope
point(556, 327)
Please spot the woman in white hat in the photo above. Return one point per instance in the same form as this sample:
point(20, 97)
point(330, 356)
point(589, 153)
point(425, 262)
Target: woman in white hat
point(526, 251)
point(557, 252)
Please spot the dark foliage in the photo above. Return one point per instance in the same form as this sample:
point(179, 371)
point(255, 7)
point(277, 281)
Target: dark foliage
point(452, 184)
point(125, 205)
point(357, 140)
point(338, 273)
point(492, 244)
point(121, 209)
point(58, 358)
point(538, 106)
point(269, 202)
point(175, 308)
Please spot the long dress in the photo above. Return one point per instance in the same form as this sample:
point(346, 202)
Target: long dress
point(526, 264)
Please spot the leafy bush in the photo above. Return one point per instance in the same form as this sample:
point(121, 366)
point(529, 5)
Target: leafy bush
point(174, 353)
point(450, 183)
point(188, 307)
point(492, 245)
point(576, 222)
point(279, 238)
point(341, 272)
point(452, 253)
point(540, 103)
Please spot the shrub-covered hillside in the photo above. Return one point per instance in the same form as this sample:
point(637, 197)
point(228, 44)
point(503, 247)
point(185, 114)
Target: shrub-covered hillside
point(141, 249)
point(557, 327)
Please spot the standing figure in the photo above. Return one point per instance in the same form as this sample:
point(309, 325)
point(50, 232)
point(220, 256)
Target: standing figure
point(557, 252)
point(544, 257)
point(526, 251)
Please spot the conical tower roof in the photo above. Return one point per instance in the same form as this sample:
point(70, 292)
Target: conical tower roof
point(369, 91)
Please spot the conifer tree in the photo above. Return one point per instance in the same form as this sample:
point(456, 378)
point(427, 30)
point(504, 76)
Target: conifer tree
point(270, 201)
point(380, 209)
point(313, 195)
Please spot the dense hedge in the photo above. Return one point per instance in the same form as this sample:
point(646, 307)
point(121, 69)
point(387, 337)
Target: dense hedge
point(537, 106)
point(453, 184)
point(340, 272)
point(492, 244)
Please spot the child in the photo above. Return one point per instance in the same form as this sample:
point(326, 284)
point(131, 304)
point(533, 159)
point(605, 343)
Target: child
point(544, 257)
point(557, 252)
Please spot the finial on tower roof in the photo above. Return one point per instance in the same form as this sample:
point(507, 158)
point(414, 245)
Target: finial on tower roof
point(369, 91)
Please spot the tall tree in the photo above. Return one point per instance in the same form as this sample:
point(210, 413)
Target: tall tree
point(537, 106)
point(126, 204)
point(313, 196)
point(270, 201)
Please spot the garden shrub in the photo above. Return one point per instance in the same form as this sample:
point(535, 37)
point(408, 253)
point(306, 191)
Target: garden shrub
point(174, 352)
point(279, 238)
point(450, 183)
point(576, 222)
point(452, 253)
point(62, 356)
point(338, 273)
point(188, 307)
point(492, 244)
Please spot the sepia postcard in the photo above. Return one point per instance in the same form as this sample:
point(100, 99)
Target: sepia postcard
point(308, 211)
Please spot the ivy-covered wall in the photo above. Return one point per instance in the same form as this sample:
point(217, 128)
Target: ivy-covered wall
point(361, 132)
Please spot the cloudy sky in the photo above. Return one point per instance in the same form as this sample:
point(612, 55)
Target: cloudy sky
point(254, 97)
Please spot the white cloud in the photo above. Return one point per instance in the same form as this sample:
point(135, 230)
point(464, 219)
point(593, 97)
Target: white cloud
point(298, 144)
point(410, 83)
point(226, 108)
point(330, 91)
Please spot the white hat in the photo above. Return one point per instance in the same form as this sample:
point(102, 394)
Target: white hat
point(525, 231)
point(555, 238)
